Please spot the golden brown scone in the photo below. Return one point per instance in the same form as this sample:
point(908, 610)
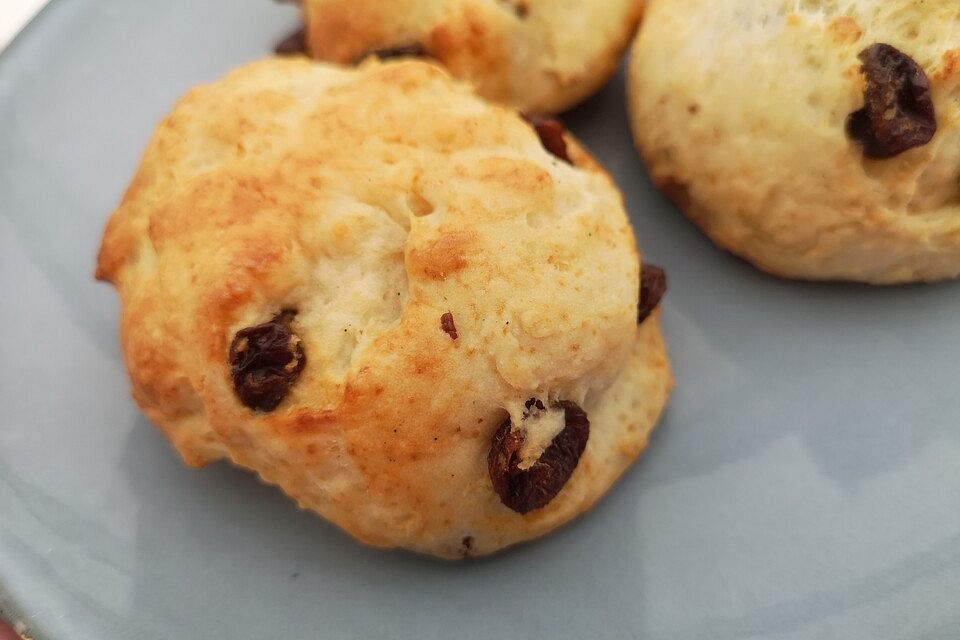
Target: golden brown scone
point(740, 109)
point(540, 56)
point(370, 203)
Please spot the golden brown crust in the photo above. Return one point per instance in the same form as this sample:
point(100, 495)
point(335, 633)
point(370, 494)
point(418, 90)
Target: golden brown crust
point(751, 139)
point(373, 202)
point(542, 58)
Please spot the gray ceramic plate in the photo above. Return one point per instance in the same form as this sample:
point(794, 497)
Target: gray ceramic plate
point(805, 482)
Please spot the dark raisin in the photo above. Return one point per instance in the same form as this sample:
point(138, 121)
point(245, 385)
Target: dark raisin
point(653, 285)
point(294, 44)
point(265, 361)
point(551, 133)
point(412, 50)
point(446, 323)
point(898, 114)
point(524, 490)
point(466, 546)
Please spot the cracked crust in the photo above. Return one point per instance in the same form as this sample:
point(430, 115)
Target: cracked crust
point(374, 201)
point(750, 140)
point(540, 56)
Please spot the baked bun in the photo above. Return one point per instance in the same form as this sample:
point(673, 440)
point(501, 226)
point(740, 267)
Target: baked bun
point(539, 56)
point(349, 280)
point(818, 140)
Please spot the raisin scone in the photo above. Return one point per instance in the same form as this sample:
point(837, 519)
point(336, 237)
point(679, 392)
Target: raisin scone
point(399, 303)
point(540, 56)
point(817, 139)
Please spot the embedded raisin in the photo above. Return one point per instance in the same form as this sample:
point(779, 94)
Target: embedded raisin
point(550, 131)
point(653, 285)
point(294, 44)
point(446, 323)
point(524, 490)
point(898, 114)
point(265, 361)
point(412, 50)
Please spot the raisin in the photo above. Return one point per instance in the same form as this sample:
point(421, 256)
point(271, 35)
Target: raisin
point(551, 133)
point(524, 490)
point(265, 361)
point(653, 285)
point(446, 323)
point(412, 50)
point(294, 44)
point(898, 114)
point(466, 546)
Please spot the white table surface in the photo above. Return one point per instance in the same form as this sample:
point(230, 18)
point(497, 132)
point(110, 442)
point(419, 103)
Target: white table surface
point(14, 14)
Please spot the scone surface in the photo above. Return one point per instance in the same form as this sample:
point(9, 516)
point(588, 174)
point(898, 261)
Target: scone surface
point(740, 110)
point(372, 202)
point(541, 56)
